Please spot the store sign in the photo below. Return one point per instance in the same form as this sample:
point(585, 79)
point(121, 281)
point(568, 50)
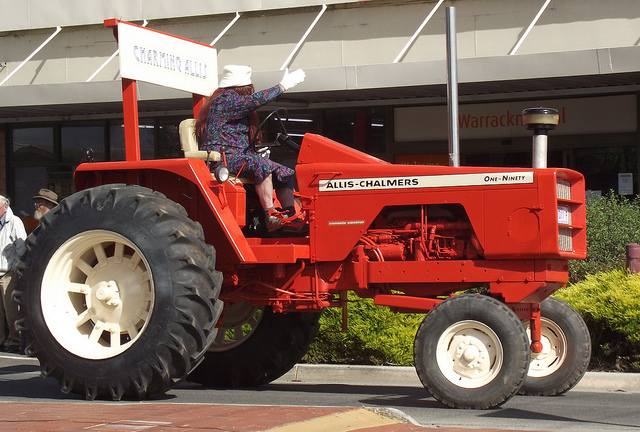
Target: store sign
point(625, 183)
point(158, 58)
point(606, 114)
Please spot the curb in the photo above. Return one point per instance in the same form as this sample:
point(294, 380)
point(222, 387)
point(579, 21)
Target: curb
point(406, 376)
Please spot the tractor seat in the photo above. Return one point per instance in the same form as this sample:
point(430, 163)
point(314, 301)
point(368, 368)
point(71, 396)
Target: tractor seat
point(189, 145)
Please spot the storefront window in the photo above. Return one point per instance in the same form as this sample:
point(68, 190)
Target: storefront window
point(116, 135)
point(77, 140)
point(601, 166)
point(31, 156)
point(33, 146)
point(169, 139)
point(361, 128)
point(296, 124)
point(27, 183)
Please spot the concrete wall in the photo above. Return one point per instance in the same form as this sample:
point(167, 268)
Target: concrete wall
point(35, 14)
point(354, 33)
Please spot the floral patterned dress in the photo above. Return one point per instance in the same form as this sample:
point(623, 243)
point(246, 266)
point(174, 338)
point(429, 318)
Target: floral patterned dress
point(228, 125)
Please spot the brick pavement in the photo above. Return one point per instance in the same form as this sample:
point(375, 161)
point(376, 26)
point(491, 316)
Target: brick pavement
point(165, 417)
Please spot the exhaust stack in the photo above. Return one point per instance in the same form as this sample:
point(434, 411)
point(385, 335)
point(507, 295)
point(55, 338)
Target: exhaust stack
point(541, 120)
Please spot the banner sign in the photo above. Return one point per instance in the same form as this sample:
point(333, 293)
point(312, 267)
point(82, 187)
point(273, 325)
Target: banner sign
point(434, 181)
point(158, 58)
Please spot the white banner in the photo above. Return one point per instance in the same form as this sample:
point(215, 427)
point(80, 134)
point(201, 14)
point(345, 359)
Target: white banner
point(434, 181)
point(158, 58)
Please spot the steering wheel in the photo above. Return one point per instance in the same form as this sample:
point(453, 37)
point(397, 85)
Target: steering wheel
point(282, 137)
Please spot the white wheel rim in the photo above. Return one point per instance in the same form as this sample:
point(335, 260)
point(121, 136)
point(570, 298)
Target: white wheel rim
point(469, 354)
point(554, 349)
point(239, 321)
point(97, 294)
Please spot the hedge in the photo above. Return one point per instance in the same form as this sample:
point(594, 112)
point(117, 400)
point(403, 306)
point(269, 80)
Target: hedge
point(610, 305)
point(375, 335)
point(612, 223)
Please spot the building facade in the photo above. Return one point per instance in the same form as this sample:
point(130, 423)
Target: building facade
point(376, 80)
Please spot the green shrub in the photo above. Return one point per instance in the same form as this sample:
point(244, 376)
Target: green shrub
point(612, 223)
point(375, 335)
point(610, 305)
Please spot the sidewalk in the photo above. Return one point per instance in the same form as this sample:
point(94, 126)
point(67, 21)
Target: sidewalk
point(406, 376)
point(182, 417)
point(164, 417)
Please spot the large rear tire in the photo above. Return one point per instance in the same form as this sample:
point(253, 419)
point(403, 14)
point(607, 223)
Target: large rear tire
point(566, 351)
point(471, 351)
point(119, 293)
point(255, 346)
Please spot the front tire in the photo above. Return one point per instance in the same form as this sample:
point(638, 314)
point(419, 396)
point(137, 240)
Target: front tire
point(471, 352)
point(566, 351)
point(120, 293)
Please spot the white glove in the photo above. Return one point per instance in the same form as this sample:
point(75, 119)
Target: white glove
point(289, 80)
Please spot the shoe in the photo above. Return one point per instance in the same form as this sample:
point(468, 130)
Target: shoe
point(273, 222)
point(297, 226)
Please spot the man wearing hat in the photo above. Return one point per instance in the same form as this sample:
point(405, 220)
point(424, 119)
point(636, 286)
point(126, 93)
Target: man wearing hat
point(44, 201)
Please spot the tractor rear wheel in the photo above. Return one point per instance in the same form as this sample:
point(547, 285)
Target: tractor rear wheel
point(119, 293)
point(255, 346)
point(471, 351)
point(566, 351)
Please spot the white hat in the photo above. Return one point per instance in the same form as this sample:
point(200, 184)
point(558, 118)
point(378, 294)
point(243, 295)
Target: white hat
point(235, 76)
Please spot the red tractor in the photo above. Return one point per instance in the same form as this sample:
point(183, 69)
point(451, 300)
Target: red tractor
point(156, 271)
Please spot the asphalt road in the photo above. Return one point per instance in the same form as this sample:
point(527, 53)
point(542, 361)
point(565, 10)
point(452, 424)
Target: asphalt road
point(588, 408)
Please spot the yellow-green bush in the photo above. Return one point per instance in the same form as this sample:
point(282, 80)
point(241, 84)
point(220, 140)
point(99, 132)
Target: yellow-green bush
point(610, 305)
point(612, 223)
point(375, 335)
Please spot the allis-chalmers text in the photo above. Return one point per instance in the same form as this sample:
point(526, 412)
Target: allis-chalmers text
point(426, 181)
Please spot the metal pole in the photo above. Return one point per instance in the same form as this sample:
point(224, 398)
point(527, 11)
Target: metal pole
point(633, 258)
point(452, 88)
point(287, 62)
point(409, 44)
point(540, 148)
point(224, 30)
point(526, 32)
point(144, 24)
point(541, 120)
point(37, 50)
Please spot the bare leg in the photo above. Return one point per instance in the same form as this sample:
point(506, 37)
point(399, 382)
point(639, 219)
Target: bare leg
point(265, 192)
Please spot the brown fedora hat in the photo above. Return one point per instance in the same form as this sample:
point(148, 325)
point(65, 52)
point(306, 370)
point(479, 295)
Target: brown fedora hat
point(48, 195)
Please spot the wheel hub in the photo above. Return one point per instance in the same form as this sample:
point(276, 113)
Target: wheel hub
point(553, 353)
point(469, 354)
point(97, 294)
point(108, 293)
point(472, 356)
point(240, 320)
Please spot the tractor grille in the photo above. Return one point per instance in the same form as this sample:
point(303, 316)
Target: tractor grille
point(565, 209)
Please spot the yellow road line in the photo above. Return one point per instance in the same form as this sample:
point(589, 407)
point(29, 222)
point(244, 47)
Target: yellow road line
point(340, 422)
